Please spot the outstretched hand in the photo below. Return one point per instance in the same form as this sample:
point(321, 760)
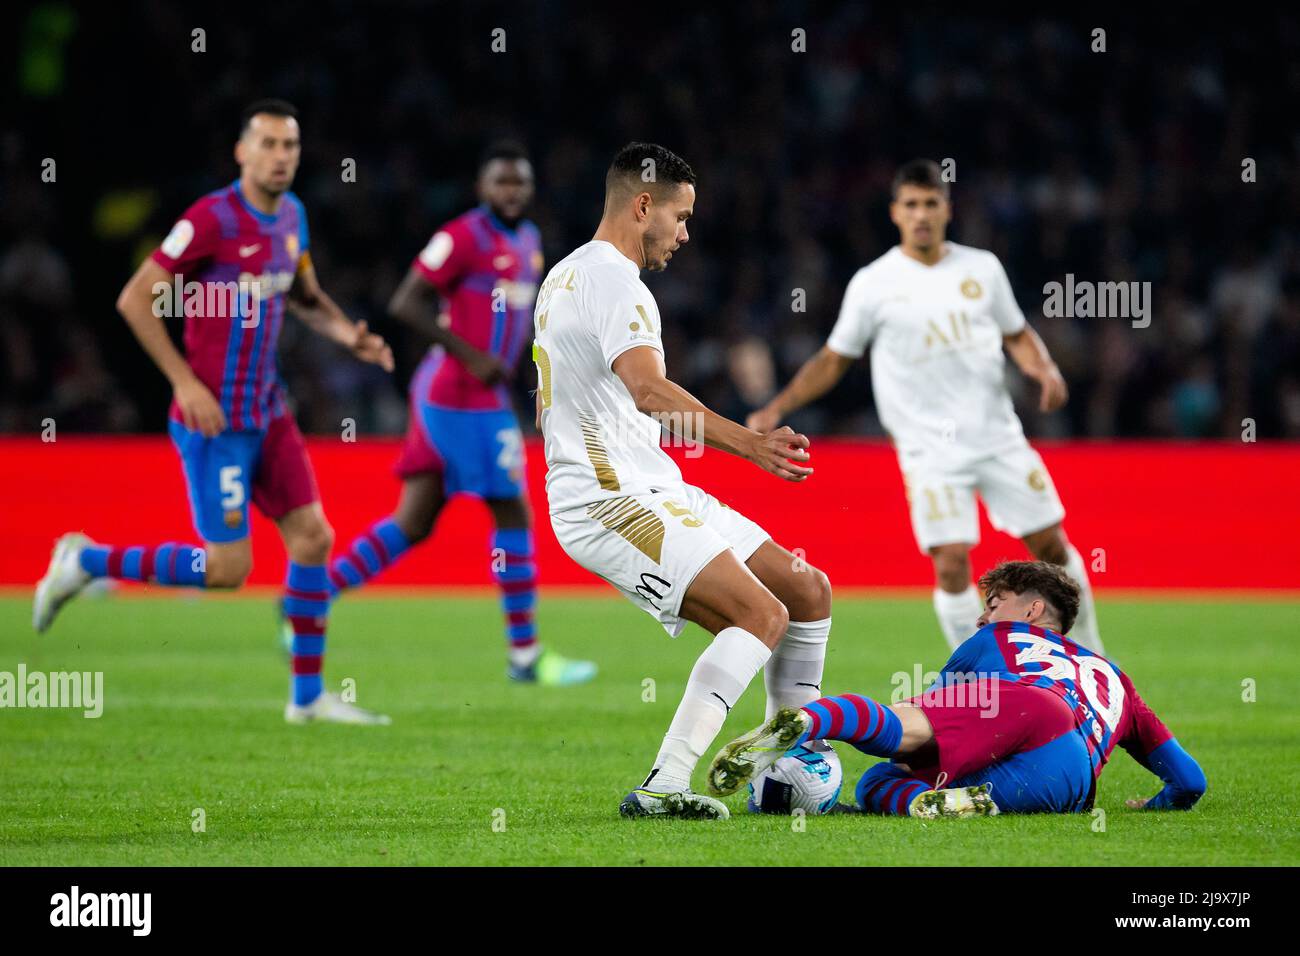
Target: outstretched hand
point(370, 347)
point(778, 450)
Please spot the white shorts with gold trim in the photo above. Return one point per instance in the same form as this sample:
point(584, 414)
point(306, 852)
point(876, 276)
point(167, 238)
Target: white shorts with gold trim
point(1015, 487)
point(651, 546)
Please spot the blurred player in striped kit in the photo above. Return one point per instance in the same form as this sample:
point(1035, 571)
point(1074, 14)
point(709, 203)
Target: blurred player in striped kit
point(936, 316)
point(245, 250)
point(463, 435)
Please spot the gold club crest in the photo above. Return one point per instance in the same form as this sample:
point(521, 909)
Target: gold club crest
point(291, 246)
point(1037, 480)
point(971, 289)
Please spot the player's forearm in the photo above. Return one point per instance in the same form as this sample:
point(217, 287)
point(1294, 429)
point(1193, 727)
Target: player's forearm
point(323, 316)
point(1029, 352)
point(412, 306)
point(815, 378)
point(674, 407)
point(1183, 777)
point(456, 346)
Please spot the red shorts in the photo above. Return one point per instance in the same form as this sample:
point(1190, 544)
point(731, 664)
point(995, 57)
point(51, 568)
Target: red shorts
point(418, 456)
point(979, 723)
point(284, 479)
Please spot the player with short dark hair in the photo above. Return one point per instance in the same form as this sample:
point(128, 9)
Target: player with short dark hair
point(619, 505)
point(1021, 720)
point(242, 257)
point(462, 435)
point(937, 317)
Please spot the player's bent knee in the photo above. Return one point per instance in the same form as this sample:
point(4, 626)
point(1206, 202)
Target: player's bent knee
point(951, 567)
point(772, 622)
point(816, 596)
point(226, 570)
point(312, 544)
point(1049, 546)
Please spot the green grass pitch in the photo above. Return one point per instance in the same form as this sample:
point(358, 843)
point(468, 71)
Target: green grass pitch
point(194, 689)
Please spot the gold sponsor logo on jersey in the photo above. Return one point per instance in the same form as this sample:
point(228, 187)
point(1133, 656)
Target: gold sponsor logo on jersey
point(1037, 480)
point(971, 289)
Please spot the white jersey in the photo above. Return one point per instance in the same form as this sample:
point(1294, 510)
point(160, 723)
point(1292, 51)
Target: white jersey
point(591, 309)
point(937, 365)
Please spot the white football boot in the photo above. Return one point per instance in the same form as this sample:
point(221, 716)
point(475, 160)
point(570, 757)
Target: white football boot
point(746, 757)
point(330, 708)
point(955, 802)
point(64, 579)
point(684, 804)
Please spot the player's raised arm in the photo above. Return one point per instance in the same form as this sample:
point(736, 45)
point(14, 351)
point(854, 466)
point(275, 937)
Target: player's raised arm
point(137, 304)
point(310, 305)
point(641, 370)
point(416, 303)
point(815, 378)
point(848, 341)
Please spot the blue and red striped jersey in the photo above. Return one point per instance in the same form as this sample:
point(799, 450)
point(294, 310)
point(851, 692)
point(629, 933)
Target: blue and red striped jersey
point(488, 274)
point(235, 266)
point(1108, 709)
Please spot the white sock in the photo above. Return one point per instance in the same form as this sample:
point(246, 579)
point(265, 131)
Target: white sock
point(524, 656)
point(957, 613)
point(1085, 630)
point(793, 675)
point(719, 677)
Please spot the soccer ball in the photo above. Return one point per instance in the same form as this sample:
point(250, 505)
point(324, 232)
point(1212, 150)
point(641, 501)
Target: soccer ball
point(801, 779)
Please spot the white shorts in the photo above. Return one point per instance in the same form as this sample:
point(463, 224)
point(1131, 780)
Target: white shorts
point(652, 546)
point(1017, 491)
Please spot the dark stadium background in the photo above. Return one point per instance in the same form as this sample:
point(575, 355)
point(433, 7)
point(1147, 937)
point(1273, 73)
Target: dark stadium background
point(1113, 166)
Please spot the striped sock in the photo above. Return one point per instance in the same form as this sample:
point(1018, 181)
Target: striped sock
point(869, 726)
point(516, 575)
point(307, 606)
point(179, 565)
point(887, 788)
point(372, 551)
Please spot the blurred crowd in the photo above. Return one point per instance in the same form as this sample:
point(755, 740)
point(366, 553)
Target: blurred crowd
point(1171, 157)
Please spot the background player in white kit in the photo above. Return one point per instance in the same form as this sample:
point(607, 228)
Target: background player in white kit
point(936, 316)
point(618, 504)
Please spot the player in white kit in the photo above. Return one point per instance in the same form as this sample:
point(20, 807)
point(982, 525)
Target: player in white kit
point(936, 316)
point(618, 503)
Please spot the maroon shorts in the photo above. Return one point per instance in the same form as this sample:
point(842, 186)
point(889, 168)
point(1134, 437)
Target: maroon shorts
point(284, 479)
point(979, 723)
point(418, 456)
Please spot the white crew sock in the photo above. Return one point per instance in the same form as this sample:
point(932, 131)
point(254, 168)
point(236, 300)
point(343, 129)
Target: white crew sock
point(957, 613)
point(719, 677)
point(1085, 630)
point(793, 675)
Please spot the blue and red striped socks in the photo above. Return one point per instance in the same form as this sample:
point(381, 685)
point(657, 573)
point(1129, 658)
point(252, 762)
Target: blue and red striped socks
point(178, 565)
point(516, 574)
point(372, 551)
point(887, 788)
point(307, 607)
point(868, 725)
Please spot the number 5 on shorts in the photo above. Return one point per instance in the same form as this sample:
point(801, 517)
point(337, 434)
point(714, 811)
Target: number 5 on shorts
point(677, 511)
point(232, 487)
